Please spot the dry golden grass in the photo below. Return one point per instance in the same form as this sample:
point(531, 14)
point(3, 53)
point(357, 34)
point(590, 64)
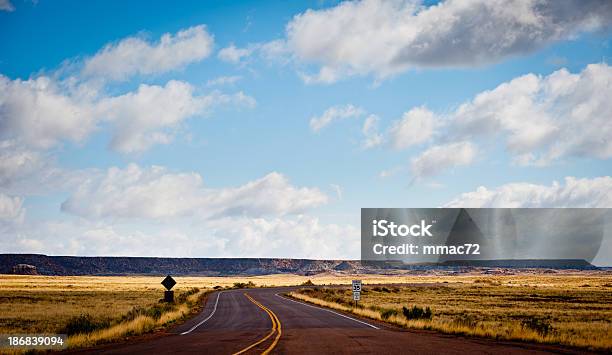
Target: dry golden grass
point(139, 325)
point(494, 306)
point(42, 304)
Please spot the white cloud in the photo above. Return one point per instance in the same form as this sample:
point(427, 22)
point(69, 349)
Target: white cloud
point(299, 236)
point(334, 113)
point(44, 111)
point(156, 193)
point(325, 76)
point(271, 194)
point(135, 192)
point(577, 193)
point(541, 119)
point(439, 158)
point(388, 37)
point(141, 118)
point(41, 113)
point(5, 5)
point(134, 55)
point(544, 118)
point(233, 54)
point(416, 126)
point(370, 131)
point(11, 209)
point(223, 80)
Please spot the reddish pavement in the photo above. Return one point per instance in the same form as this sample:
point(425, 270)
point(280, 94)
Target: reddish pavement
point(230, 322)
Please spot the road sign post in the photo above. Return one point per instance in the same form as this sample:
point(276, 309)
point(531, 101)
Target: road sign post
point(168, 283)
point(356, 291)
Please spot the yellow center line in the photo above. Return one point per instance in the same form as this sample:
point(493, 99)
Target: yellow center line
point(276, 325)
point(278, 335)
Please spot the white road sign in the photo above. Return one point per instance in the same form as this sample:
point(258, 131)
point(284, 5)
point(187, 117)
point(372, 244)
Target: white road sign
point(356, 296)
point(356, 286)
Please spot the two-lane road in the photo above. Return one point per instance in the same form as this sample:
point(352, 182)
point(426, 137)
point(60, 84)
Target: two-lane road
point(232, 322)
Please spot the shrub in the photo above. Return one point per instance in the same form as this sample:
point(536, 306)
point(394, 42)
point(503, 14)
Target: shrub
point(385, 313)
point(249, 284)
point(540, 325)
point(82, 324)
point(217, 287)
point(417, 312)
point(308, 283)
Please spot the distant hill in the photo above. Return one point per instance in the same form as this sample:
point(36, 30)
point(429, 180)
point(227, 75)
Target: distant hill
point(579, 264)
point(80, 265)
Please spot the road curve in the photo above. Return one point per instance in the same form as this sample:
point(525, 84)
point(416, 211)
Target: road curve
point(232, 322)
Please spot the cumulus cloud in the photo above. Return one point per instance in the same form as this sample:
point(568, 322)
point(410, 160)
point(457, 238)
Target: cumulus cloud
point(440, 158)
point(539, 119)
point(577, 193)
point(334, 113)
point(544, 118)
point(156, 193)
point(415, 127)
point(135, 55)
point(5, 5)
point(233, 54)
point(388, 37)
point(141, 117)
point(42, 112)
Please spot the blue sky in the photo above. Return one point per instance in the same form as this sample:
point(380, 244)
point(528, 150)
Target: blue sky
point(243, 172)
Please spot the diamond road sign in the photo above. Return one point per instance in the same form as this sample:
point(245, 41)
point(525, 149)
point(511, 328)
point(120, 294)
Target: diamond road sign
point(168, 282)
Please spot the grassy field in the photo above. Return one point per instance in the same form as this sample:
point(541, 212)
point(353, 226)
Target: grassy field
point(578, 305)
point(90, 309)
point(573, 310)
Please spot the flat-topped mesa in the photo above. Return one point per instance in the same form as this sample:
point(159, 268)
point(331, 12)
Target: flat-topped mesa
point(77, 265)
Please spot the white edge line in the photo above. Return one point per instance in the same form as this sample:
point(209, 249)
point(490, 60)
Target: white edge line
point(207, 318)
point(325, 309)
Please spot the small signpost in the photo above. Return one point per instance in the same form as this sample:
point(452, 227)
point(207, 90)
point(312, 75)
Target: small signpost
point(356, 291)
point(168, 283)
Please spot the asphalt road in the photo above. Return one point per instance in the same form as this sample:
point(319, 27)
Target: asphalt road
point(232, 322)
